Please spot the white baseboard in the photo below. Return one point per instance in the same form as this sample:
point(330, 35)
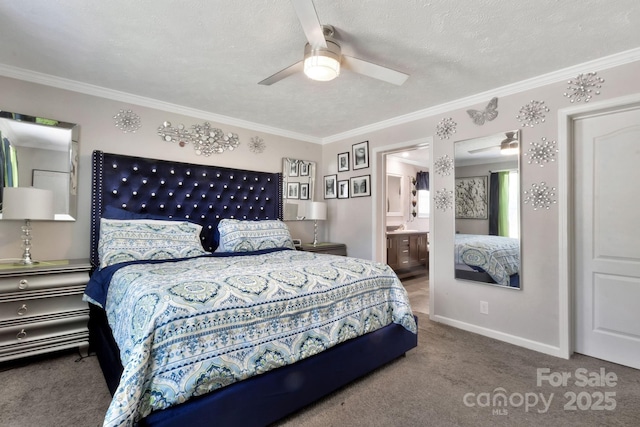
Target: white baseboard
point(501, 336)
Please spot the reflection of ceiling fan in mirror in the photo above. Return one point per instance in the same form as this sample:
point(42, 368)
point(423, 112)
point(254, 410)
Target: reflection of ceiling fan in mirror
point(323, 58)
point(507, 146)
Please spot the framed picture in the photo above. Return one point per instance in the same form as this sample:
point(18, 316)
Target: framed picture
point(293, 190)
point(343, 162)
point(293, 168)
point(360, 186)
point(471, 198)
point(343, 188)
point(304, 169)
point(330, 183)
point(304, 191)
point(360, 152)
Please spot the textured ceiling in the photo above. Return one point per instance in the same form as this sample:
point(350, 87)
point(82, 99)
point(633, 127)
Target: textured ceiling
point(210, 55)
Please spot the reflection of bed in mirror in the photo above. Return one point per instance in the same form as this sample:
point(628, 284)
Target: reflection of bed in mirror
point(489, 259)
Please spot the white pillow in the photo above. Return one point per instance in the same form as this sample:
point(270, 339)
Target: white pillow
point(245, 236)
point(147, 239)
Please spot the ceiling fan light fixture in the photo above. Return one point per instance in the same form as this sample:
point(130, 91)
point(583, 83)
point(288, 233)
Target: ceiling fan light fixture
point(322, 64)
point(508, 148)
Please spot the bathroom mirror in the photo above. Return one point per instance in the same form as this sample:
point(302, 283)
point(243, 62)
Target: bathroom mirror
point(394, 195)
point(42, 153)
point(298, 181)
point(487, 209)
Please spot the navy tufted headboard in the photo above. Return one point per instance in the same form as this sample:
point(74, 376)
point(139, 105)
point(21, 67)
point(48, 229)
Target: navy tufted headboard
point(163, 189)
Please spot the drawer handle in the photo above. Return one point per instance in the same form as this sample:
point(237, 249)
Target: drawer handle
point(22, 310)
point(405, 262)
point(406, 250)
point(21, 335)
point(24, 284)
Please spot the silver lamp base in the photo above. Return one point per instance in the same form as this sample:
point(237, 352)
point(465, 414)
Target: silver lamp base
point(26, 243)
point(315, 232)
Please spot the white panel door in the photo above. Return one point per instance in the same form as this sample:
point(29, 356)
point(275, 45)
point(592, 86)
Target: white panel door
point(607, 235)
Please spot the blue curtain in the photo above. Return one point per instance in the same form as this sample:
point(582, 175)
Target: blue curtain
point(422, 181)
point(494, 203)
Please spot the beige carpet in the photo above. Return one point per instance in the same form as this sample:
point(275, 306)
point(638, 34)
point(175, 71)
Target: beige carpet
point(425, 388)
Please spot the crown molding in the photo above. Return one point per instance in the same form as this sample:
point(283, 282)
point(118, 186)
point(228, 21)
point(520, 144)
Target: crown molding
point(115, 95)
point(604, 63)
point(533, 83)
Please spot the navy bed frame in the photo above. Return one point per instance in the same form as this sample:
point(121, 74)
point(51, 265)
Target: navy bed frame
point(206, 194)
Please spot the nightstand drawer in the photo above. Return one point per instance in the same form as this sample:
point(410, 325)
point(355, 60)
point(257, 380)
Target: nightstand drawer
point(325, 248)
point(47, 330)
point(41, 308)
point(26, 308)
point(28, 282)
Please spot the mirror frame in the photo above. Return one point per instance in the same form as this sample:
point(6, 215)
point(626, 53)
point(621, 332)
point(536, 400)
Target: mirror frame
point(294, 175)
point(72, 156)
point(481, 144)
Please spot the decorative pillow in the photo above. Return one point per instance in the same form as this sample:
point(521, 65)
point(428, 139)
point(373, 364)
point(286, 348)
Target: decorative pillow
point(245, 236)
point(146, 239)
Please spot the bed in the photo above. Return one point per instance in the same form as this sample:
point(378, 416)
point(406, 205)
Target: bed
point(190, 365)
point(489, 259)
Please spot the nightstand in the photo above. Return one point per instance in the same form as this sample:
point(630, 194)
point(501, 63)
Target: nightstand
point(325, 248)
point(41, 308)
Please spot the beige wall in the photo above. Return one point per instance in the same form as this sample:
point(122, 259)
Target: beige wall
point(529, 317)
point(61, 240)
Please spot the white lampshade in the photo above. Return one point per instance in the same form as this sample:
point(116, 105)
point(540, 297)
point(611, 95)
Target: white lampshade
point(27, 203)
point(322, 64)
point(317, 211)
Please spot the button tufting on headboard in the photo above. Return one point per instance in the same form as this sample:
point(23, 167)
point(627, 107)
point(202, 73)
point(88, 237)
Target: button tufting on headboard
point(172, 190)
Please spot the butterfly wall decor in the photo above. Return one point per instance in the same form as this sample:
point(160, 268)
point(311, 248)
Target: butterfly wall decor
point(489, 113)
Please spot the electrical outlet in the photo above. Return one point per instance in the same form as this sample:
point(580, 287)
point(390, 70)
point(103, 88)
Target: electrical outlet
point(484, 307)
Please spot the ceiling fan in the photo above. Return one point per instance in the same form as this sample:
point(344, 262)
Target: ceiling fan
point(323, 57)
point(507, 146)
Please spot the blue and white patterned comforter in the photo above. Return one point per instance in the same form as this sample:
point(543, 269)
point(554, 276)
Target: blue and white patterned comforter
point(498, 256)
point(186, 328)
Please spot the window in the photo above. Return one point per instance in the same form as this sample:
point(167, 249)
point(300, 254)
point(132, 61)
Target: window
point(424, 204)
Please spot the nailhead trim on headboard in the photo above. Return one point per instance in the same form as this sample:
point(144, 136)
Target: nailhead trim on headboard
point(202, 194)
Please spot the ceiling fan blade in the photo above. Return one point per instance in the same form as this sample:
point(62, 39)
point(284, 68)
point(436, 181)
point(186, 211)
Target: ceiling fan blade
point(480, 150)
point(308, 17)
point(373, 70)
point(282, 74)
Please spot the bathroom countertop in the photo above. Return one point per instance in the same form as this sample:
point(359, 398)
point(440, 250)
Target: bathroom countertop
point(407, 232)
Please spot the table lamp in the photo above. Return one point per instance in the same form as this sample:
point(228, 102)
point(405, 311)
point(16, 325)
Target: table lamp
point(317, 211)
point(28, 204)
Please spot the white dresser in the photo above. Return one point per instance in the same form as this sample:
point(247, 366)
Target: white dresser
point(41, 308)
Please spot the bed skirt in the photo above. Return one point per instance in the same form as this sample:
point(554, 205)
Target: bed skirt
point(265, 398)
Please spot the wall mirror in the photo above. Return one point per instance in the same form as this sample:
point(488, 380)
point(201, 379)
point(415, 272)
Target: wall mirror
point(298, 180)
point(42, 153)
point(487, 209)
point(394, 195)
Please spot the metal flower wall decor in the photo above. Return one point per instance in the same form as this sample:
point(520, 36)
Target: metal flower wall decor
point(127, 121)
point(583, 87)
point(206, 139)
point(446, 128)
point(443, 165)
point(540, 196)
point(257, 145)
point(542, 153)
point(443, 199)
point(532, 113)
